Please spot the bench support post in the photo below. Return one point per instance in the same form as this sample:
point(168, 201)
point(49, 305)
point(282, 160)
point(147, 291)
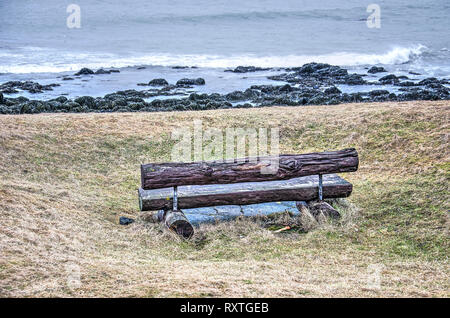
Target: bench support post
point(177, 222)
point(320, 187)
point(175, 198)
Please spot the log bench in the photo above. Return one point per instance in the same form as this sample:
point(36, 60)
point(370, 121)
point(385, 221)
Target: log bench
point(169, 187)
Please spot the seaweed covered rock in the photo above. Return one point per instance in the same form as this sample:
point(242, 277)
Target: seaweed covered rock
point(87, 101)
point(30, 86)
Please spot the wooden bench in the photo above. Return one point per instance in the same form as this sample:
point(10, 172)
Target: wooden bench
point(169, 187)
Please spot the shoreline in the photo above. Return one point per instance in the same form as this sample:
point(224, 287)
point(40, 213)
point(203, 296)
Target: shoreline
point(310, 84)
point(262, 109)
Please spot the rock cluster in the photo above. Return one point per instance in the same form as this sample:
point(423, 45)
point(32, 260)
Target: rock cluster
point(311, 84)
point(88, 71)
point(32, 87)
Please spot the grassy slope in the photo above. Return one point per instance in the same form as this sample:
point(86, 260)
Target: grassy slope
point(59, 208)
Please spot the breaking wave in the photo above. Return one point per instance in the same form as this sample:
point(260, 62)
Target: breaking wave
point(33, 60)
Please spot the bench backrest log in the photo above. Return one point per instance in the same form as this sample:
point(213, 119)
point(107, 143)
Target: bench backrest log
point(165, 175)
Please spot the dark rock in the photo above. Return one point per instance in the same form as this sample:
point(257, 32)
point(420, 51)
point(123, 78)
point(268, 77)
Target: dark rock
point(317, 100)
point(67, 78)
point(70, 106)
point(235, 96)
point(35, 106)
point(86, 101)
point(30, 86)
point(429, 80)
point(119, 102)
point(1, 98)
point(286, 88)
point(312, 67)
point(389, 79)
point(55, 105)
point(392, 96)
point(247, 69)
point(353, 79)
point(19, 100)
point(421, 94)
point(137, 106)
point(84, 71)
point(9, 90)
point(378, 92)
point(191, 81)
point(376, 69)
point(4, 110)
point(102, 71)
point(407, 83)
point(158, 82)
point(61, 99)
point(332, 90)
point(435, 86)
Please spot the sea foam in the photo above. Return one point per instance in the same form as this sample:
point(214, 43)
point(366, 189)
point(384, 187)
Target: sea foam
point(19, 61)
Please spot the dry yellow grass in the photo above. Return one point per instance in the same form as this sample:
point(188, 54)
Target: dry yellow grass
point(66, 178)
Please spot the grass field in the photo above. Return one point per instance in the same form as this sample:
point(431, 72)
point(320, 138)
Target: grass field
point(66, 178)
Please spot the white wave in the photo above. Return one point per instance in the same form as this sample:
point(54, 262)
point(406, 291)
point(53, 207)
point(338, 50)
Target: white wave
point(397, 55)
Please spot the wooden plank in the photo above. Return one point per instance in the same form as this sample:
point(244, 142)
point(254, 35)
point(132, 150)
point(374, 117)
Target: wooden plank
point(163, 175)
point(296, 189)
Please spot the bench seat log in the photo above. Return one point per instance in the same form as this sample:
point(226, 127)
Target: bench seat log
point(194, 196)
point(164, 175)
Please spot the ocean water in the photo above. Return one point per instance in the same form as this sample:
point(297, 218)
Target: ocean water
point(36, 43)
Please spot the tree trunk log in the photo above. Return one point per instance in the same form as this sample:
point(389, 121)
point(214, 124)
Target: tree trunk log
point(163, 175)
point(316, 208)
point(297, 189)
point(177, 222)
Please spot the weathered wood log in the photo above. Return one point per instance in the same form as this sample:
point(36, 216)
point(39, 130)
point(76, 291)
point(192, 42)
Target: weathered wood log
point(177, 222)
point(163, 175)
point(297, 189)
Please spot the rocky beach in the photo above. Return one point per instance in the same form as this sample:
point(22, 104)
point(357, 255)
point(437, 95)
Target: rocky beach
point(310, 84)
